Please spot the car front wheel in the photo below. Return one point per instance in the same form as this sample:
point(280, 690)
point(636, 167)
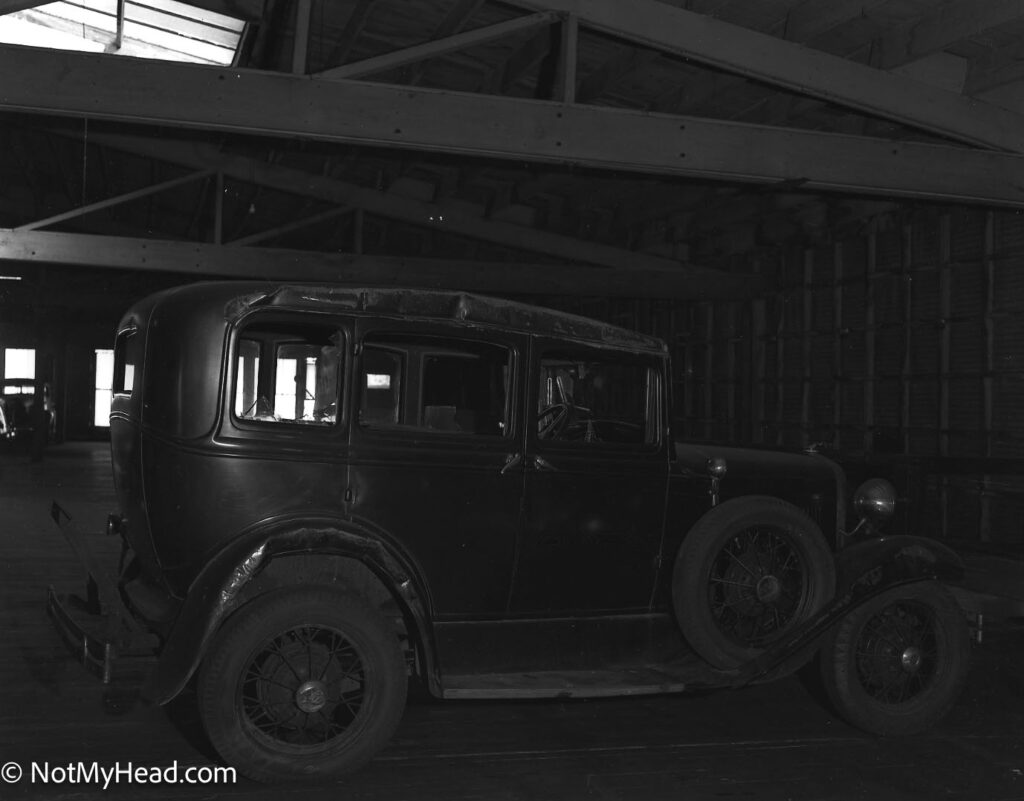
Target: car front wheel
point(896, 664)
point(302, 684)
point(750, 571)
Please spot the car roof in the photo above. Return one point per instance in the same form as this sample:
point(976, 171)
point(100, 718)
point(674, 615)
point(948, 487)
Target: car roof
point(239, 298)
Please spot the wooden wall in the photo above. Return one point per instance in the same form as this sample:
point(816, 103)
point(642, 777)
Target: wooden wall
point(900, 346)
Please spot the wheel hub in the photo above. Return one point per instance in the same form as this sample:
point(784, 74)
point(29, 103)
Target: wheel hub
point(910, 659)
point(768, 589)
point(311, 696)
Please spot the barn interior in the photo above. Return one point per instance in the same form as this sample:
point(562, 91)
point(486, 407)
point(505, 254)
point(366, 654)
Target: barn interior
point(817, 204)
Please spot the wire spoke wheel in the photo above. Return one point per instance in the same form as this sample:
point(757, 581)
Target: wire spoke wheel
point(303, 683)
point(756, 585)
point(750, 570)
point(304, 687)
point(895, 664)
point(897, 653)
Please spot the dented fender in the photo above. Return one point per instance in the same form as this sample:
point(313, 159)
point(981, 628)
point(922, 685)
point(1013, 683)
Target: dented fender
point(214, 594)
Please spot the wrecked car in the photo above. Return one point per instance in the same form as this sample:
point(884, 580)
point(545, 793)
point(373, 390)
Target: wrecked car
point(328, 493)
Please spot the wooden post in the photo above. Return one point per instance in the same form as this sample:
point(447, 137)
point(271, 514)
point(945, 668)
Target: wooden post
point(567, 58)
point(838, 384)
point(730, 355)
point(808, 333)
point(987, 388)
point(869, 345)
point(945, 358)
point(907, 366)
point(758, 351)
point(780, 372)
point(300, 48)
point(709, 373)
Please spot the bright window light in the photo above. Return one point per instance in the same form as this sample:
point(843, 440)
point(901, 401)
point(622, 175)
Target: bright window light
point(104, 385)
point(19, 363)
point(160, 29)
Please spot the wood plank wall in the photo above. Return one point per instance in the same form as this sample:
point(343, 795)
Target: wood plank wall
point(901, 345)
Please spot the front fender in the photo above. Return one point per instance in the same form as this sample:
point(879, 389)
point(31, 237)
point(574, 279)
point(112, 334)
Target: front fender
point(863, 570)
point(215, 593)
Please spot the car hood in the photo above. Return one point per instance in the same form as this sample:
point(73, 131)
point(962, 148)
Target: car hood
point(754, 471)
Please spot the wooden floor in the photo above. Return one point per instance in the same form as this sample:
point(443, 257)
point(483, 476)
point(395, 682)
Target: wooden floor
point(766, 743)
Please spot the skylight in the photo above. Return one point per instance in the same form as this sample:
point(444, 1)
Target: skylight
point(162, 29)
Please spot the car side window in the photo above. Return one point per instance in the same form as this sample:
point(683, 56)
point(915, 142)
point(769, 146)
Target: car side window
point(434, 384)
point(590, 399)
point(288, 373)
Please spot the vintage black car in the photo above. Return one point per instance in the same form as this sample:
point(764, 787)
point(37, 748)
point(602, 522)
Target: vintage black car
point(327, 492)
point(20, 398)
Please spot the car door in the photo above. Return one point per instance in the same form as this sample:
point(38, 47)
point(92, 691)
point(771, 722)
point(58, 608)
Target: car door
point(596, 471)
point(435, 460)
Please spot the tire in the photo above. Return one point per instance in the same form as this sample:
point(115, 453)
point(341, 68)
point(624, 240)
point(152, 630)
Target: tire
point(896, 664)
point(302, 684)
point(749, 571)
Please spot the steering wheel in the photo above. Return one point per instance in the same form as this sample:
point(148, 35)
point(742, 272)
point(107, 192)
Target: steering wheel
point(552, 420)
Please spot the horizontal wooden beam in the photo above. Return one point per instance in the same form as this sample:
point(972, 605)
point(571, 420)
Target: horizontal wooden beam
point(439, 47)
point(206, 260)
point(799, 69)
point(248, 101)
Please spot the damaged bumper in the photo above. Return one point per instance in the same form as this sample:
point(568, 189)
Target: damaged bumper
point(98, 628)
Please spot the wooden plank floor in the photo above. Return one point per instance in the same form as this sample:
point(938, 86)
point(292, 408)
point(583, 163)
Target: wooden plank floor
point(768, 743)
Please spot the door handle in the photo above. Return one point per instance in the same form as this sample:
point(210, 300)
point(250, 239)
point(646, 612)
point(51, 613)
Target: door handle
point(511, 461)
point(540, 463)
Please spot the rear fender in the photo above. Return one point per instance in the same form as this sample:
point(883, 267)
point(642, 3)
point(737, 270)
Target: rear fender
point(220, 588)
point(863, 570)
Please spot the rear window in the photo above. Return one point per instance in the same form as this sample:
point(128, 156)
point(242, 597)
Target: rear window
point(288, 373)
point(127, 356)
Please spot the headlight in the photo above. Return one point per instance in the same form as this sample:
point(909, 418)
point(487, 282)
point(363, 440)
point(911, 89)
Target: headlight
point(875, 500)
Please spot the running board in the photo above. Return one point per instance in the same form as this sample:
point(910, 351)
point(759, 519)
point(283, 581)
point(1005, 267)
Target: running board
point(579, 683)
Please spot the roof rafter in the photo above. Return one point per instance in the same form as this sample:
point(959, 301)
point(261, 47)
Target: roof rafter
point(799, 69)
point(947, 24)
point(99, 86)
point(439, 47)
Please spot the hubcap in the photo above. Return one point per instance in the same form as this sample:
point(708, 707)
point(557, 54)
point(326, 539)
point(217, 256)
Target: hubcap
point(768, 589)
point(911, 659)
point(311, 696)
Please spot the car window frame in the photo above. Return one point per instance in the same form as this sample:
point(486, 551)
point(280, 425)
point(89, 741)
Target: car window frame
point(516, 345)
point(654, 365)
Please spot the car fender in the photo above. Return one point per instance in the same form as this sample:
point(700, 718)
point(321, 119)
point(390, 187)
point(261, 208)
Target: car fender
point(863, 570)
point(218, 590)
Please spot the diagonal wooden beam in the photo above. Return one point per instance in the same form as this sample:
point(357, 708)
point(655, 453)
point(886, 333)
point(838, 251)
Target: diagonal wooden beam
point(392, 206)
point(411, 55)
point(946, 24)
point(799, 69)
point(194, 258)
point(356, 22)
point(812, 18)
point(287, 228)
point(453, 22)
point(115, 201)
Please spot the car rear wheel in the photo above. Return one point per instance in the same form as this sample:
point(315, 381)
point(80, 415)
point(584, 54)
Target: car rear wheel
point(302, 684)
point(896, 664)
point(750, 570)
